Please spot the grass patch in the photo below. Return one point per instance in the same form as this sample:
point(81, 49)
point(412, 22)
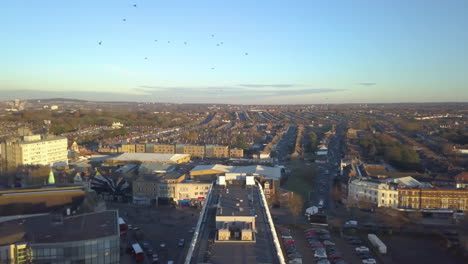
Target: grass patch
point(301, 180)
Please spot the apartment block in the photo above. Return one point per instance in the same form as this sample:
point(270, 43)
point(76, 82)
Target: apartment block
point(140, 148)
point(236, 153)
point(193, 150)
point(34, 150)
point(164, 149)
point(216, 151)
point(128, 148)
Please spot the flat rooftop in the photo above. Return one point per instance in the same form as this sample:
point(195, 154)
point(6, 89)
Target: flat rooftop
point(50, 229)
point(148, 157)
point(234, 200)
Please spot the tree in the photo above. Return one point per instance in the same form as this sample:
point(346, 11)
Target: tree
point(295, 204)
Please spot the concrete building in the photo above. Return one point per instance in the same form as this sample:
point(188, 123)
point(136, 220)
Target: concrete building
point(140, 148)
point(236, 153)
point(34, 150)
point(39, 200)
point(149, 157)
point(128, 148)
point(197, 151)
point(216, 151)
point(164, 149)
point(433, 199)
point(88, 238)
point(169, 187)
point(378, 192)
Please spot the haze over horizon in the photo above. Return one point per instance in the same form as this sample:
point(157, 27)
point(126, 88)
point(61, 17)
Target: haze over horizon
point(242, 52)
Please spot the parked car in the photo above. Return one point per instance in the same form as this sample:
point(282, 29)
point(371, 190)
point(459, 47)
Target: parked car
point(181, 242)
point(320, 253)
point(351, 223)
point(323, 261)
point(362, 249)
point(328, 243)
point(369, 261)
point(316, 245)
point(325, 237)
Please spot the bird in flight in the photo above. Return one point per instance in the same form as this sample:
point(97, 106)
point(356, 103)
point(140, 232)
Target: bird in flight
point(185, 43)
point(212, 36)
point(168, 41)
point(100, 42)
point(155, 40)
point(146, 58)
point(124, 20)
point(134, 5)
point(246, 53)
point(212, 68)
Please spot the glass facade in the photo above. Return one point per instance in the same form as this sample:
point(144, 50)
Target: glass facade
point(97, 251)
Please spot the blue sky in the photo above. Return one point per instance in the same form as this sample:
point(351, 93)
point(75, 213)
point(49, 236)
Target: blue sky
point(298, 51)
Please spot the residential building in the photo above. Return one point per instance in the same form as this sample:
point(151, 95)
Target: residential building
point(128, 148)
point(216, 151)
point(140, 148)
point(236, 153)
point(88, 238)
point(378, 192)
point(34, 150)
point(197, 151)
point(433, 199)
point(164, 149)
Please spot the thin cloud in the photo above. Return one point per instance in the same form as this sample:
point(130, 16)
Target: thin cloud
point(367, 83)
point(229, 91)
point(268, 85)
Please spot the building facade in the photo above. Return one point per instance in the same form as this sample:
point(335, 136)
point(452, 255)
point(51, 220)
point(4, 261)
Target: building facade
point(166, 188)
point(164, 149)
point(215, 151)
point(34, 150)
point(376, 192)
point(128, 148)
point(236, 153)
point(88, 238)
point(433, 199)
point(197, 151)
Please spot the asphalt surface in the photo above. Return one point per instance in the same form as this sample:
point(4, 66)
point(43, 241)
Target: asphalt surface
point(158, 225)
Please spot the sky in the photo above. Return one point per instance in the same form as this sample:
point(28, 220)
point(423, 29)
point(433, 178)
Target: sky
point(236, 52)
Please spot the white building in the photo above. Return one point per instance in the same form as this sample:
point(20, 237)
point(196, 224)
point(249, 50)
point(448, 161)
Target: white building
point(379, 192)
point(35, 150)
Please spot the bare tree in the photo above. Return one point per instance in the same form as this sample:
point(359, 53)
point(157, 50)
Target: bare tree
point(295, 204)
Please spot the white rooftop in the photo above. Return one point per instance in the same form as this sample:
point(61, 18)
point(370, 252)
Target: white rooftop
point(268, 172)
point(149, 157)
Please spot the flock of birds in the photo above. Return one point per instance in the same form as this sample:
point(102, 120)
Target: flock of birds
point(185, 42)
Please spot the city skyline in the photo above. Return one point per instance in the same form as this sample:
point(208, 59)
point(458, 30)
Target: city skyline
point(267, 52)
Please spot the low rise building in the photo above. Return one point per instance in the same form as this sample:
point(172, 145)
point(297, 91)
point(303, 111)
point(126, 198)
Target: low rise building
point(128, 148)
point(236, 153)
point(169, 187)
point(149, 157)
point(87, 238)
point(216, 151)
point(197, 151)
point(378, 192)
point(164, 149)
point(433, 199)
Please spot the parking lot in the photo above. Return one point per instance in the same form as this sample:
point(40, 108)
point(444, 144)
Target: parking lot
point(158, 231)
